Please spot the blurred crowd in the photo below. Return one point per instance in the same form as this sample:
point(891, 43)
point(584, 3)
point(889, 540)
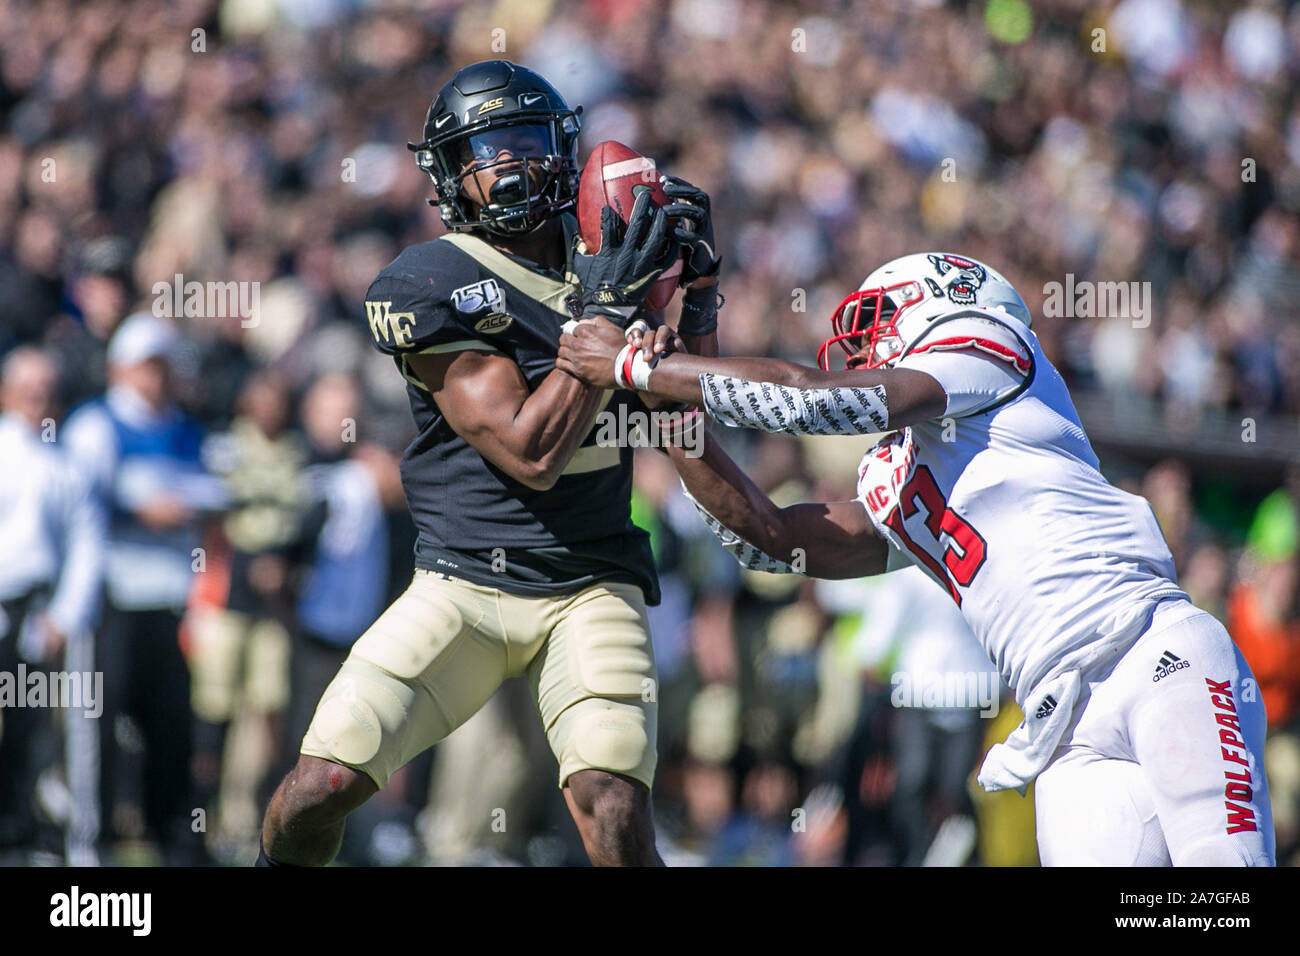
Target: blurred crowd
point(243, 464)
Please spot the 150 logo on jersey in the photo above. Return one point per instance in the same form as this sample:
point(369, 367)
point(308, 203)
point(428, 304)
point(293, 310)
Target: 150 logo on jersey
point(485, 296)
point(479, 296)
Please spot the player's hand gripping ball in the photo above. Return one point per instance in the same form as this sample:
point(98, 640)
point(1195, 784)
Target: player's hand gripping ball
point(613, 177)
point(617, 279)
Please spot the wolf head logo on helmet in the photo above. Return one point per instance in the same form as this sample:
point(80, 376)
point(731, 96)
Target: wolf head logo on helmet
point(883, 320)
point(961, 276)
point(500, 145)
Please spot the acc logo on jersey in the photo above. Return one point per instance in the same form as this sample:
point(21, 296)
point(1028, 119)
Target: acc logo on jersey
point(963, 287)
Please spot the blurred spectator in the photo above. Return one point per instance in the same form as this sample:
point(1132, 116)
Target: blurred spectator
point(140, 453)
point(51, 562)
point(1275, 530)
point(517, 784)
point(1167, 487)
point(100, 290)
point(239, 631)
point(346, 580)
point(941, 683)
point(1264, 621)
point(761, 833)
point(1207, 578)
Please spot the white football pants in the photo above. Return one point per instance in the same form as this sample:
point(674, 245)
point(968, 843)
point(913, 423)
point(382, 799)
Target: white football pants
point(1163, 763)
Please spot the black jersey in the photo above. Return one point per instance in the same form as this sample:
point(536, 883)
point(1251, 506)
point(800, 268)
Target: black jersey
point(474, 520)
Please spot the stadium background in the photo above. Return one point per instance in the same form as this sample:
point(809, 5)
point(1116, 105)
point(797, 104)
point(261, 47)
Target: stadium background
point(269, 148)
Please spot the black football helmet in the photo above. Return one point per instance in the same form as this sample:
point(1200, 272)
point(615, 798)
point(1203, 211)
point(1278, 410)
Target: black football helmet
point(487, 109)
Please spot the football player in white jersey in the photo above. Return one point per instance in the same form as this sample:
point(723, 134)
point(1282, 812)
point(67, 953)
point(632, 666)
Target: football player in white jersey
point(1143, 726)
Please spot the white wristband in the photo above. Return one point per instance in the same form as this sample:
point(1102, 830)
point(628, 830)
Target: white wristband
point(641, 370)
point(623, 366)
point(631, 370)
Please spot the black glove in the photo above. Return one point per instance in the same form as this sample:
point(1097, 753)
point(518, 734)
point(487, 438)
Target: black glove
point(617, 279)
point(701, 259)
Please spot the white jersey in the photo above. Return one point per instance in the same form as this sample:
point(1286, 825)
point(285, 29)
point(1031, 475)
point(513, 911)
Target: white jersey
point(1006, 509)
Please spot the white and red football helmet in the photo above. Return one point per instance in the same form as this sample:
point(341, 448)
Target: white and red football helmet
point(896, 304)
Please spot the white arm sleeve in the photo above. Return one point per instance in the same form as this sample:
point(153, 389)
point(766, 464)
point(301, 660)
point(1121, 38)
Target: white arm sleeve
point(978, 362)
point(779, 408)
point(749, 556)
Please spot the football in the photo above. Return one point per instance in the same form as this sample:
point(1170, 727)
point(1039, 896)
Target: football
point(612, 172)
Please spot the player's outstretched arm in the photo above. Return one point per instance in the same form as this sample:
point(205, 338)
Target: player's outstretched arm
point(820, 539)
point(529, 435)
point(769, 394)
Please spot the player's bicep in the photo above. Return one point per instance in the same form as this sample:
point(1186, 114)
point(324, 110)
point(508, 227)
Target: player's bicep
point(479, 394)
point(835, 538)
point(912, 396)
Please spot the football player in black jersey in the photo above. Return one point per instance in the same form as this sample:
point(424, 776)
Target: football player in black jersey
point(527, 561)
